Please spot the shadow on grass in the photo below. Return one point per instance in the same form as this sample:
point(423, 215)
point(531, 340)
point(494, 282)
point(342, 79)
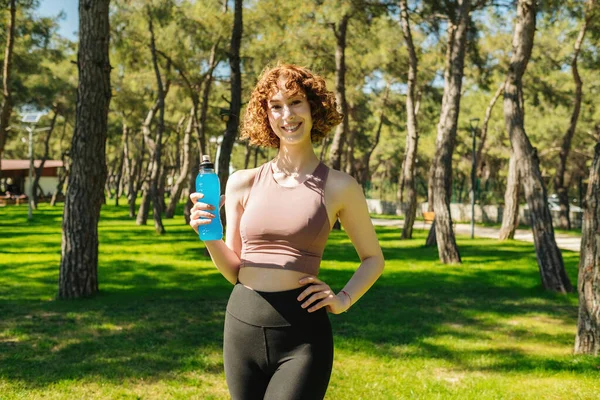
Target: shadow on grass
point(152, 318)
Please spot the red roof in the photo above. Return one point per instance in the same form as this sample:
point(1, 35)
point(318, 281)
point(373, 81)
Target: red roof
point(11, 165)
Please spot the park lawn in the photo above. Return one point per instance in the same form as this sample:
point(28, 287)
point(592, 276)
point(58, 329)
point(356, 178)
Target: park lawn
point(481, 330)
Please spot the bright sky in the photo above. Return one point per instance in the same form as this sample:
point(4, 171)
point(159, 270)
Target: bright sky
point(70, 24)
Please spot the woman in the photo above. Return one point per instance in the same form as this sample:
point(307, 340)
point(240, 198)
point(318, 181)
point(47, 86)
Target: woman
point(277, 340)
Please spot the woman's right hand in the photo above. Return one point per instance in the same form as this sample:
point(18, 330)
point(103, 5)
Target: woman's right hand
point(199, 214)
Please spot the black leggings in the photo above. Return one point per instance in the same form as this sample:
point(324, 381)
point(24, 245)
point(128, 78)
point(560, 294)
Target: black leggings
point(275, 349)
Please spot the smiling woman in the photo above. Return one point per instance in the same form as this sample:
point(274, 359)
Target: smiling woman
point(300, 86)
point(278, 341)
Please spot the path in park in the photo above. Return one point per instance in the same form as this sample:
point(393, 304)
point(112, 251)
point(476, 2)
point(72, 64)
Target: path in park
point(563, 241)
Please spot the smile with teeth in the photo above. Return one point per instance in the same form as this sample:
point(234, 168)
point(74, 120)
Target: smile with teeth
point(291, 128)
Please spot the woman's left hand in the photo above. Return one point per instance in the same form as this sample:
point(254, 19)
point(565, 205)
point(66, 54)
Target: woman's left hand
point(319, 290)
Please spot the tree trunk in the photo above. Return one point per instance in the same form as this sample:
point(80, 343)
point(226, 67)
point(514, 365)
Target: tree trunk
point(366, 173)
point(337, 144)
point(236, 100)
point(6, 108)
point(185, 168)
point(350, 167)
point(412, 132)
point(144, 210)
point(442, 182)
point(431, 236)
point(127, 167)
point(484, 129)
point(160, 128)
point(438, 139)
point(121, 166)
point(550, 260)
point(510, 215)
point(201, 130)
point(587, 340)
point(40, 169)
point(63, 175)
point(142, 215)
point(559, 178)
point(247, 154)
point(135, 179)
point(108, 185)
point(85, 194)
point(162, 180)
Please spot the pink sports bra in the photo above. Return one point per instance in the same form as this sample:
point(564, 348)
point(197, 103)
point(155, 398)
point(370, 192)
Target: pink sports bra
point(285, 227)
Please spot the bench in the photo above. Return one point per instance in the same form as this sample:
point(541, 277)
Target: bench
point(10, 201)
point(428, 217)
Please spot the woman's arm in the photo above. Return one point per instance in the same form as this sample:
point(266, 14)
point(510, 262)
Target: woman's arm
point(355, 219)
point(226, 255)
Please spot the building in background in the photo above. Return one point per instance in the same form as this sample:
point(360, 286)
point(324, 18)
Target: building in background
point(15, 177)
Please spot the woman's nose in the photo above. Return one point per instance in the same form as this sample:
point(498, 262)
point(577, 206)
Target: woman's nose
point(287, 112)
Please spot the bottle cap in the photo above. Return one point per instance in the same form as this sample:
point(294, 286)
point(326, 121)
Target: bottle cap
point(206, 162)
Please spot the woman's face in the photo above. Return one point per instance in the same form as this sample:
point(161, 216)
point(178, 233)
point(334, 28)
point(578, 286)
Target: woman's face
point(289, 115)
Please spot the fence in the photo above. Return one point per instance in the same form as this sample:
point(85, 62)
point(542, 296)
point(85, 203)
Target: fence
point(462, 212)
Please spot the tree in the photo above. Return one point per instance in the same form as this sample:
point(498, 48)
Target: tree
point(587, 340)
point(412, 132)
point(336, 149)
point(157, 200)
point(510, 214)
point(559, 178)
point(85, 194)
point(442, 175)
point(236, 97)
point(550, 260)
point(7, 104)
point(38, 170)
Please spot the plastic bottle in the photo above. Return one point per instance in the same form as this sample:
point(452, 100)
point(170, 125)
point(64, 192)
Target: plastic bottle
point(207, 183)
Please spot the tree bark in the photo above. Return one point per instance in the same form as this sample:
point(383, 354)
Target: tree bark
point(6, 108)
point(79, 257)
point(442, 178)
point(40, 169)
point(549, 258)
point(236, 100)
point(510, 215)
point(412, 132)
point(559, 178)
point(337, 144)
point(185, 168)
point(587, 340)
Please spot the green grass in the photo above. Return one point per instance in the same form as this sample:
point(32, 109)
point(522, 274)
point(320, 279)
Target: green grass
point(481, 330)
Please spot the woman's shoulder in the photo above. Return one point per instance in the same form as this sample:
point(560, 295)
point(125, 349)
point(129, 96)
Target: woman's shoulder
point(242, 178)
point(341, 181)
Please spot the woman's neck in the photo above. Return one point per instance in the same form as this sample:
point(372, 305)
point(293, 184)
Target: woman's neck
point(296, 159)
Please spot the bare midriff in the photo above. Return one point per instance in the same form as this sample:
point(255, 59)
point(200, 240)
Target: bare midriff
point(270, 280)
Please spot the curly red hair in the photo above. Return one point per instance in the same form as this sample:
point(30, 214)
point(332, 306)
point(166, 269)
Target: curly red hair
point(323, 109)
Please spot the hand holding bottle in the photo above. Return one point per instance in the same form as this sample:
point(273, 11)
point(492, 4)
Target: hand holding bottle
point(207, 186)
point(200, 213)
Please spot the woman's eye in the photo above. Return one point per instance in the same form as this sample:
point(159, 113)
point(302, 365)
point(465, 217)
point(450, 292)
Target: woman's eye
point(275, 107)
point(296, 102)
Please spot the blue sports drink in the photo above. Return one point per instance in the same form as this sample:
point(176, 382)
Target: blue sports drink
point(207, 183)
